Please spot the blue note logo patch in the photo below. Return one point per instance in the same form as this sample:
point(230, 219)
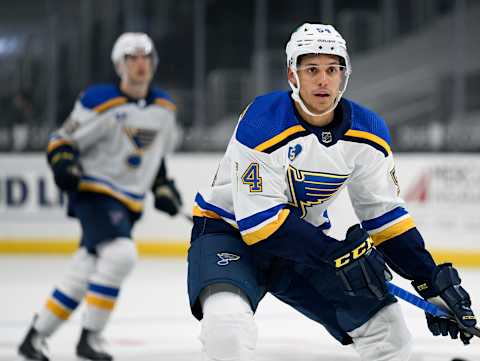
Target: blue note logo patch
point(226, 258)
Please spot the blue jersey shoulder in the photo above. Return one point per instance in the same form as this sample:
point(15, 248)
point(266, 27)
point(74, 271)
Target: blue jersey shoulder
point(99, 94)
point(267, 122)
point(160, 94)
point(363, 119)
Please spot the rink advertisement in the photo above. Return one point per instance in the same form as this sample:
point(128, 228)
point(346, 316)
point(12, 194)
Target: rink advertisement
point(441, 192)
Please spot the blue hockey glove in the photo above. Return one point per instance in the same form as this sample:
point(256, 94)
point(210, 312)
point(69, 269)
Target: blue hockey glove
point(66, 168)
point(444, 288)
point(167, 197)
point(359, 266)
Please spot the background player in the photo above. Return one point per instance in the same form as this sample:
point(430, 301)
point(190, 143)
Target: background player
point(107, 155)
point(261, 227)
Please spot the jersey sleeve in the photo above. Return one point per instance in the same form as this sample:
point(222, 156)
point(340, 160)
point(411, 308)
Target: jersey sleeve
point(87, 123)
point(374, 193)
point(259, 192)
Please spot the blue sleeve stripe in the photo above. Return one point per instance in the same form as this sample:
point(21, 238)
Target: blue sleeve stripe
point(64, 300)
point(257, 218)
point(384, 219)
point(103, 290)
point(210, 207)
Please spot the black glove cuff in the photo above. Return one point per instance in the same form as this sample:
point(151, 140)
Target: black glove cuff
point(61, 154)
point(444, 276)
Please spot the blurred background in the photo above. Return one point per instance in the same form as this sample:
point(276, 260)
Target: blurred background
point(416, 62)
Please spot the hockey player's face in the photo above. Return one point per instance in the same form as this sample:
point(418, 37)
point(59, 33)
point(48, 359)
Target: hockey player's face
point(139, 68)
point(320, 79)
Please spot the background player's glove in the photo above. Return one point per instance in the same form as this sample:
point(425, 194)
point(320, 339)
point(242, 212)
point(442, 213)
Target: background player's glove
point(167, 197)
point(445, 286)
point(359, 266)
point(66, 168)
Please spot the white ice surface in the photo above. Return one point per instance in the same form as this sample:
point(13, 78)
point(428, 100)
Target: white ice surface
point(152, 320)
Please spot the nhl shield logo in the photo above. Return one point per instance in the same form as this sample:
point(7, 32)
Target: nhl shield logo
point(327, 137)
point(226, 258)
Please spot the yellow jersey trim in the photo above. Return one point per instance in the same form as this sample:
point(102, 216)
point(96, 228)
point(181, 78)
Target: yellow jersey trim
point(110, 104)
point(371, 137)
point(267, 230)
point(134, 206)
point(199, 212)
point(393, 231)
point(166, 104)
point(279, 137)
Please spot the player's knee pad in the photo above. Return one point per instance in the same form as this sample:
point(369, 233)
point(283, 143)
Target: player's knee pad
point(228, 329)
point(384, 337)
point(115, 261)
point(82, 266)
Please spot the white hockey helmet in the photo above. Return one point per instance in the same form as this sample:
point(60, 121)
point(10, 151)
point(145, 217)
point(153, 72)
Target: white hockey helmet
point(316, 39)
point(131, 43)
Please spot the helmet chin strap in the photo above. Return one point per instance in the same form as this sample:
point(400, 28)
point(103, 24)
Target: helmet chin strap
point(296, 97)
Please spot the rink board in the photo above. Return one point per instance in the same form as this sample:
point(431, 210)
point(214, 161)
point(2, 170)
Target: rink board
point(441, 192)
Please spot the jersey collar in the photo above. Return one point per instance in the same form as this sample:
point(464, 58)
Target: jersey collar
point(149, 99)
point(329, 134)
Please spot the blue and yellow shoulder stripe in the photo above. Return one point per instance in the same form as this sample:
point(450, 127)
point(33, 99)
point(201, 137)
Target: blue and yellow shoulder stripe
point(389, 225)
point(102, 97)
point(161, 98)
point(368, 128)
point(269, 123)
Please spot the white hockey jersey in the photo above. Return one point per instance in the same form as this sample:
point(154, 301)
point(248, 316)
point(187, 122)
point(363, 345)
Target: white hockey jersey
point(276, 163)
point(121, 141)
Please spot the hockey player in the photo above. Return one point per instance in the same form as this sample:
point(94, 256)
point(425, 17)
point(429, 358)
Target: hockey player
point(262, 225)
point(107, 155)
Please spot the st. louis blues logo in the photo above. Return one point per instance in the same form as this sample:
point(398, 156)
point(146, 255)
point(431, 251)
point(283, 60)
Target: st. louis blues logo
point(294, 151)
point(226, 258)
point(141, 139)
point(310, 188)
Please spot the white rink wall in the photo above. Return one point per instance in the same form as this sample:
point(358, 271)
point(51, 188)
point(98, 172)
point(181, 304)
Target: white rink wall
point(442, 192)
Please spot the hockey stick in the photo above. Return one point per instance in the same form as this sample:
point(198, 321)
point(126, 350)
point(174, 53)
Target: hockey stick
point(429, 307)
point(187, 216)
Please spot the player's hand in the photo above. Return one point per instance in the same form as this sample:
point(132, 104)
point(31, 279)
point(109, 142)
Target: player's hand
point(66, 169)
point(445, 289)
point(167, 197)
point(360, 268)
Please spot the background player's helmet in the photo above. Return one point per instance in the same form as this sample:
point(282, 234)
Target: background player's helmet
point(316, 39)
point(131, 43)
